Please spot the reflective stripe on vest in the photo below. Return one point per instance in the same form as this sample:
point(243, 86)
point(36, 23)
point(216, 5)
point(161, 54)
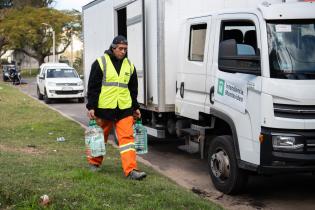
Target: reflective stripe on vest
point(115, 90)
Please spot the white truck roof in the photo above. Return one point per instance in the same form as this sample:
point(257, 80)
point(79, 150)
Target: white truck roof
point(294, 10)
point(54, 65)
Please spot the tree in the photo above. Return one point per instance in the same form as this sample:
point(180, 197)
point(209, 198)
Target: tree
point(28, 30)
point(3, 45)
point(18, 4)
point(78, 62)
point(23, 3)
point(4, 42)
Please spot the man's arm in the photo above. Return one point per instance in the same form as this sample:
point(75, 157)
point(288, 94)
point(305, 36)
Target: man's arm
point(133, 89)
point(94, 86)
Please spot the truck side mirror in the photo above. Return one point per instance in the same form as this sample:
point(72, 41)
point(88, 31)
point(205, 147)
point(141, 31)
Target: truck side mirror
point(238, 58)
point(42, 76)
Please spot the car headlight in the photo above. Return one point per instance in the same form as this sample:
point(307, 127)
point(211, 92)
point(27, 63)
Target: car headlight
point(282, 142)
point(51, 84)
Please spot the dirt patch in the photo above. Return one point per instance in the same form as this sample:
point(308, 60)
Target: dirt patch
point(230, 202)
point(28, 149)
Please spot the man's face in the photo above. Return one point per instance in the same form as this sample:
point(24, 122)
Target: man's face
point(120, 51)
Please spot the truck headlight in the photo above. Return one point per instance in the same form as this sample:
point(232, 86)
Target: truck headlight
point(281, 142)
point(80, 83)
point(51, 84)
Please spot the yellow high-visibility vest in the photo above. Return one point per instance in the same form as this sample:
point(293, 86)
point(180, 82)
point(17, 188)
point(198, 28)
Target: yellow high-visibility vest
point(115, 90)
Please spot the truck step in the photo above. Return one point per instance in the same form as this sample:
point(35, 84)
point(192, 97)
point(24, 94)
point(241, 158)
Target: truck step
point(191, 147)
point(158, 133)
point(189, 132)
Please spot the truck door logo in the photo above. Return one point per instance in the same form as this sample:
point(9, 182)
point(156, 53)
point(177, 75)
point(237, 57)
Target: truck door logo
point(221, 84)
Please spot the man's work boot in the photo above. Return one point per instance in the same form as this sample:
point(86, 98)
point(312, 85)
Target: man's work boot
point(136, 175)
point(94, 168)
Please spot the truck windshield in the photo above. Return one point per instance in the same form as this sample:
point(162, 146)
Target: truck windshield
point(61, 73)
point(292, 49)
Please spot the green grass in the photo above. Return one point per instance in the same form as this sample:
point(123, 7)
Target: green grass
point(33, 163)
point(29, 72)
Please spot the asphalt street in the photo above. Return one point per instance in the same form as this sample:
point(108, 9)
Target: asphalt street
point(295, 191)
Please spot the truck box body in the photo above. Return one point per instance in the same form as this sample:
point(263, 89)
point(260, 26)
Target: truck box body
point(164, 26)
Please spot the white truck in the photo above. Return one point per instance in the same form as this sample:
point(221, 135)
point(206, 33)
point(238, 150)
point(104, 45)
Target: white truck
point(59, 81)
point(234, 77)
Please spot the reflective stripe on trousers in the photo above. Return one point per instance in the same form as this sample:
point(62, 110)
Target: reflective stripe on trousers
point(124, 131)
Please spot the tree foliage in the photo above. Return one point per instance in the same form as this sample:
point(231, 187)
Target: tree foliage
point(4, 42)
point(78, 62)
point(29, 30)
point(23, 3)
point(5, 6)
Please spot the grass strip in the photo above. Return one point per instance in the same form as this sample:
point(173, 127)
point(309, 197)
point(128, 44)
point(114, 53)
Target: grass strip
point(33, 163)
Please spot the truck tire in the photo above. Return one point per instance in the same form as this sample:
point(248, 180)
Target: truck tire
point(223, 168)
point(39, 95)
point(46, 99)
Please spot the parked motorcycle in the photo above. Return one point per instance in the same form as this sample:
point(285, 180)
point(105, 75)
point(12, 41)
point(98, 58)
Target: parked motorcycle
point(14, 76)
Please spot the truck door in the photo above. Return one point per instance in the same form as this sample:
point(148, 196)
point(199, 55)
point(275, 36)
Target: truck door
point(41, 80)
point(191, 80)
point(234, 81)
point(136, 44)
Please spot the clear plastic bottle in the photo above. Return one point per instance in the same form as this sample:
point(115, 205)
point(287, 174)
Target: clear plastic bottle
point(94, 139)
point(141, 138)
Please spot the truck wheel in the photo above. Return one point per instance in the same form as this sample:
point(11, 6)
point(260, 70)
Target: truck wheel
point(223, 169)
point(46, 99)
point(39, 95)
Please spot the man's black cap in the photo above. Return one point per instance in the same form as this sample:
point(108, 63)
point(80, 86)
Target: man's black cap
point(120, 39)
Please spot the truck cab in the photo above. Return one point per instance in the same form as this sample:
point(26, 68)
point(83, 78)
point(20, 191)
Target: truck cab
point(246, 84)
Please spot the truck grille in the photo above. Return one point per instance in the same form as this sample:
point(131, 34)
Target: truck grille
point(66, 84)
point(294, 111)
point(60, 92)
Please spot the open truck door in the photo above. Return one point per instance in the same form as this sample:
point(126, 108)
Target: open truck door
point(136, 44)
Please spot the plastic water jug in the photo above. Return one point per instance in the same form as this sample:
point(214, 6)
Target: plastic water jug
point(94, 139)
point(141, 138)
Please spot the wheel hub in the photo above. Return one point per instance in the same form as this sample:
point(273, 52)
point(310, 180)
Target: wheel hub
point(220, 165)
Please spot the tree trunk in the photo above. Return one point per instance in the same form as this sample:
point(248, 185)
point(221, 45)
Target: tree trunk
point(40, 60)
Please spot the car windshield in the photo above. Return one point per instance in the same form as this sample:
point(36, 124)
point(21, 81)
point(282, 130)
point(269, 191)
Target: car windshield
point(61, 73)
point(291, 49)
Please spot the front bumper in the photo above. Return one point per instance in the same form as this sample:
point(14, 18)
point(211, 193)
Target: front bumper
point(68, 92)
point(273, 161)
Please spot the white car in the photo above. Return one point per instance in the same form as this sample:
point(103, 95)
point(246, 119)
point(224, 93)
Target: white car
point(59, 80)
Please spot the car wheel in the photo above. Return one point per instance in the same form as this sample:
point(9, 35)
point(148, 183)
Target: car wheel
point(80, 100)
point(39, 95)
point(223, 168)
point(46, 99)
